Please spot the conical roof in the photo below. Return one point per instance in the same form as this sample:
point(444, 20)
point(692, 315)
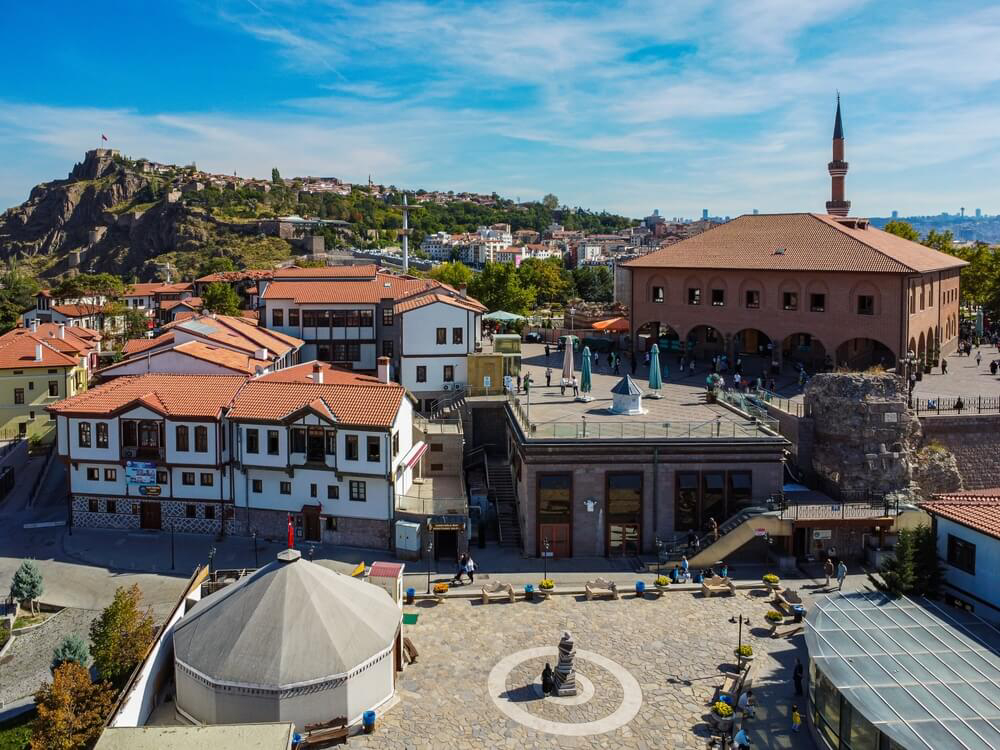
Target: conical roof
point(627, 387)
point(291, 622)
point(838, 125)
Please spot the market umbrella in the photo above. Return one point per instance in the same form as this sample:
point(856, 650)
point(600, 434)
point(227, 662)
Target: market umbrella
point(585, 376)
point(503, 316)
point(567, 371)
point(655, 379)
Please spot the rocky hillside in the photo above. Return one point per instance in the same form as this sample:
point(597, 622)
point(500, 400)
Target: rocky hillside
point(108, 215)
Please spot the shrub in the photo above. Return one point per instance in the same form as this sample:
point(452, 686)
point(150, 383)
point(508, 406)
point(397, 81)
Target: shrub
point(546, 584)
point(745, 650)
point(4, 633)
point(73, 648)
point(722, 709)
point(662, 581)
point(771, 579)
point(27, 586)
point(440, 588)
point(774, 616)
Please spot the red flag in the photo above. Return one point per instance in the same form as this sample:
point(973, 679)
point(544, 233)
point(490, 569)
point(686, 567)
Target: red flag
point(291, 533)
point(103, 137)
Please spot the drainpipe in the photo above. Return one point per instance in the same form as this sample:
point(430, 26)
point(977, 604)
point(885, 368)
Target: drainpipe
point(656, 491)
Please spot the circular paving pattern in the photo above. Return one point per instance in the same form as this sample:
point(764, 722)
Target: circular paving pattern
point(631, 699)
point(585, 694)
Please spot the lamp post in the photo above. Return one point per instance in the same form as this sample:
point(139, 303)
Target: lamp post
point(211, 561)
point(430, 549)
point(909, 362)
point(658, 543)
point(545, 557)
point(171, 544)
point(253, 535)
point(742, 621)
point(572, 313)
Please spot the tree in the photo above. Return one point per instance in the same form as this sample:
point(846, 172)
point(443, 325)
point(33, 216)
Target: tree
point(222, 299)
point(217, 264)
point(453, 273)
point(71, 710)
point(275, 176)
point(17, 293)
point(550, 202)
point(551, 282)
point(26, 585)
point(120, 636)
point(902, 229)
point(91, 285)
point(928, 574)
point(898, 573)
point(73, 648)
point(594, 283)
point(943, 242)
point(499, 288)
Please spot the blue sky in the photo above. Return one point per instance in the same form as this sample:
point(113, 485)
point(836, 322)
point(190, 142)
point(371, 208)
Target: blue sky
point(621, 106)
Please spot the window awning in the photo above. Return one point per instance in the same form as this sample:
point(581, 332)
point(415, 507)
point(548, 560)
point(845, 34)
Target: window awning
point(414, 454)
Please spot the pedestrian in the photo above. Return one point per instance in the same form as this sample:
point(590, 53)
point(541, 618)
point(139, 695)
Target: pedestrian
point(685, 568)
point(547, 682)
point(682, 362)
point(611, 359)
point(828, 569)
point(841, 575)
point(519, 382)
point(692, 539)
point(993, 367)
point(576, 387)
point(617, 365)
point(797, 676)
point(596, 355)
point(944, 366)
point(666, 372)
point(691, 367)
point(724, 570)
point(713, 529)
point(675, 575)
point(548, 377)
point(562, 386)
point(979, 357)
point(736, 381)
point(547, 351)
point(746, 704)
point(460, 569)
point(796, 719)
point(740, 740)
point(633, 360)
point(470, 568)
point(959, 404)
point(646, 359)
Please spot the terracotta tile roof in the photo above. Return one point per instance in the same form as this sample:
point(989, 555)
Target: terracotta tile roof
point(181, 286)
point(978, 510)
point(18, 350)
point(413, 303)
point(193, 302)
point(230, 276)
point(135, 346)
point(798, 242)
point(147, 289)
point(250, 315)
point(384, 286)
point(263, 400)
point(240, 333)
point(366, 271)
point(186, 315)
point(78, 310)
point(74, 338)
point(331, 375)
point(195, 396)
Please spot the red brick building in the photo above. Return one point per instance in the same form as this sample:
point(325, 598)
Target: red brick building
point(816, 288)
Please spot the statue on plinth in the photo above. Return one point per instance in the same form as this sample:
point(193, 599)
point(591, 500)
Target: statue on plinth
point(547, 679)
point(564, 680)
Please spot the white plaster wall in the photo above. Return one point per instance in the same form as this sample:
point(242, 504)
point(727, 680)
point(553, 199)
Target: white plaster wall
point(217, 491)
point(420, 330)
point(376, 506)
point(191, 456)
point(435, 372)
point(103, 454)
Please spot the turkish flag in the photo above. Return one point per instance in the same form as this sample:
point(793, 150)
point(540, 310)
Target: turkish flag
point(291, 533)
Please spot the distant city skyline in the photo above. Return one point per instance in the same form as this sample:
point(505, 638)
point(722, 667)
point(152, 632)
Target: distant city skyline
point(727, 106)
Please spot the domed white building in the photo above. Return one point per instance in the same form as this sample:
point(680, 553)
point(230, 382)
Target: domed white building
point(294, 641)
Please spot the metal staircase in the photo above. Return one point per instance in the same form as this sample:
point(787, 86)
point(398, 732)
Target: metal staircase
point(501, 485)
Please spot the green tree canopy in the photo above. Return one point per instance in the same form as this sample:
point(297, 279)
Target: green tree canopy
point(217, 264)
point(499, 288)
point(26, 585)
point(221, 298)
point(17, 293)
point(91, 285)
point(275, 175)
point(594, 283)
point(120, 635)
point(551, 202)
point(898, 574)
point(453, 273)
point(902, 229)
point(71, 710)
point(551, 282)
point(73, 648)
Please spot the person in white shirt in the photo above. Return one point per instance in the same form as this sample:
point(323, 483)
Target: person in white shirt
point(746, 704)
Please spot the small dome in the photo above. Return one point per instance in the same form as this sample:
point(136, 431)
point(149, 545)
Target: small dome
point(289, 623)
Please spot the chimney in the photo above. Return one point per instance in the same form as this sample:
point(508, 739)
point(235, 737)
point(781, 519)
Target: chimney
point(317, 373)
point(62, 330)
point(34, 325)
point(261, 353)
point(38, 352)
point(463, 290)
point(383, 369)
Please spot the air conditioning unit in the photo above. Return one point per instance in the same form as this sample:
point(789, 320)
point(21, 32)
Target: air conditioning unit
point(447, 386)
point(130, 453)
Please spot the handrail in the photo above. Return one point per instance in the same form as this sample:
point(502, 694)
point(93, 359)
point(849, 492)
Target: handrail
point(958, 404)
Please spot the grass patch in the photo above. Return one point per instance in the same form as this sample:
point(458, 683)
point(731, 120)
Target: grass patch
point(25, 621)
point(4, 633)
point(15, 734)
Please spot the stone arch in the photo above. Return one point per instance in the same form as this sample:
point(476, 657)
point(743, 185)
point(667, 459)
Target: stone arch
point(867, 288)
point(861, 353)
point(932, 343)
point(717, 282)
point(660, 281)
point(654, 332)
point(921, 346)
point(913, 346)
point(805, 349)
point(790, 287)
point(752, 285)
point(705, 341)
point(815, 286)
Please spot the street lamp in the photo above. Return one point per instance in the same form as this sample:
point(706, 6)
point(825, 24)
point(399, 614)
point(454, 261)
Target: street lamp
point(312, 551)
point(572, 313)
point(658, 543)
point(171, 544)
point(253, 534)
point(430, 549)
point(909, 362)
point(211, 560)
point(545, 557)
point(742, 621)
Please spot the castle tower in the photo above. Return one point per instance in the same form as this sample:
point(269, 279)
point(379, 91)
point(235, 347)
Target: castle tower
point(837, 206)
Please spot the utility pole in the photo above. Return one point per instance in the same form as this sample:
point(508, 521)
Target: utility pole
point(406, 235)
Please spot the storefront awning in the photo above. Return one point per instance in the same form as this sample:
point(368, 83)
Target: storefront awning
point(414, 454)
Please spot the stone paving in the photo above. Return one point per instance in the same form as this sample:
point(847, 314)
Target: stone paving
point(673, 647)
point(26, 665)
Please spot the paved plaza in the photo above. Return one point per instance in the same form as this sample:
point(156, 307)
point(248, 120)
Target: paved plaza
point(646, 671)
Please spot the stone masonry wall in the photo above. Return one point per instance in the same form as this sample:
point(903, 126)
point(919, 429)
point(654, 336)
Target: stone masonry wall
point(974, 440)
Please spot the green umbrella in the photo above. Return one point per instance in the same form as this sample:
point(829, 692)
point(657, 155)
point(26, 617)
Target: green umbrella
point(585, 385)
point(655, 380)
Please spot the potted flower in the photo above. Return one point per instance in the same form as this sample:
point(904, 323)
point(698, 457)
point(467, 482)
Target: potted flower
point(661, 583)
point(774, 617)
point(440, 589)
point(546, 586)
point(743, 654)
point(771, 581)
point(722, 713)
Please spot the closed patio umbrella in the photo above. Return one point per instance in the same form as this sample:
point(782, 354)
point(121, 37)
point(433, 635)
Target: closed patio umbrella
point(585, 385)
point(655, 379)
point(567, 370)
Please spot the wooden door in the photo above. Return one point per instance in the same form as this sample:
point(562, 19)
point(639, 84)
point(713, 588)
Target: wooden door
point(558, 536)
point(149, 515)
point(310, 515)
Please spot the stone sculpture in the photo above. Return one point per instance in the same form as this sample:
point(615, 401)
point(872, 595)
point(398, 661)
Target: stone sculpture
point(564, 680)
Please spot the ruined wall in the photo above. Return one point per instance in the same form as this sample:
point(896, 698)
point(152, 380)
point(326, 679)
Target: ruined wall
point(974, 439)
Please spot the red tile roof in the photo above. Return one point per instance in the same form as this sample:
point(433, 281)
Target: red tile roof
point(78, 310)
point(240, 333)
point(413, 303)
point(193, 302)
point(331, 375)
point(383, 286)
point(18, 349)
point(263, 400)
point(799, 242)
point(366, 271)
point(230, 276)
point(135, 346)
point(147, 289)
point(979, 510)
point(194, 396)
point(74, 339)
point(216, 355)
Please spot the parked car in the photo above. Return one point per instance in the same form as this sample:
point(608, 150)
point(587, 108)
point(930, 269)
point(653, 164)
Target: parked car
point(533, 337)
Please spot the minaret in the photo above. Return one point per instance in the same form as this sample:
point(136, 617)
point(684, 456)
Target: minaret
point(837, 206)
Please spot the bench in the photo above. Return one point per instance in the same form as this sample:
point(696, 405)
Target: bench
point(787, 599)
point(734, 684)
point(409, 650)
point(601, 587)
point(497, 588)
point(717, 585)
point(324, 734)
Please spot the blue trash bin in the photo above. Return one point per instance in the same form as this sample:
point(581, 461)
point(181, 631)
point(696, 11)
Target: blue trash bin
point(640, 588)
point(368, 721)
point(410, 594)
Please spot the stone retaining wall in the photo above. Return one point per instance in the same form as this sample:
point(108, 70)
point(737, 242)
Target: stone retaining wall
point(974, 439)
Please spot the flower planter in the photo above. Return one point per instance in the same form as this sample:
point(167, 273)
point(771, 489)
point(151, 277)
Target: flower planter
point(660, 589)
point(546, 593)
point(742, 660)
point(722, 724)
